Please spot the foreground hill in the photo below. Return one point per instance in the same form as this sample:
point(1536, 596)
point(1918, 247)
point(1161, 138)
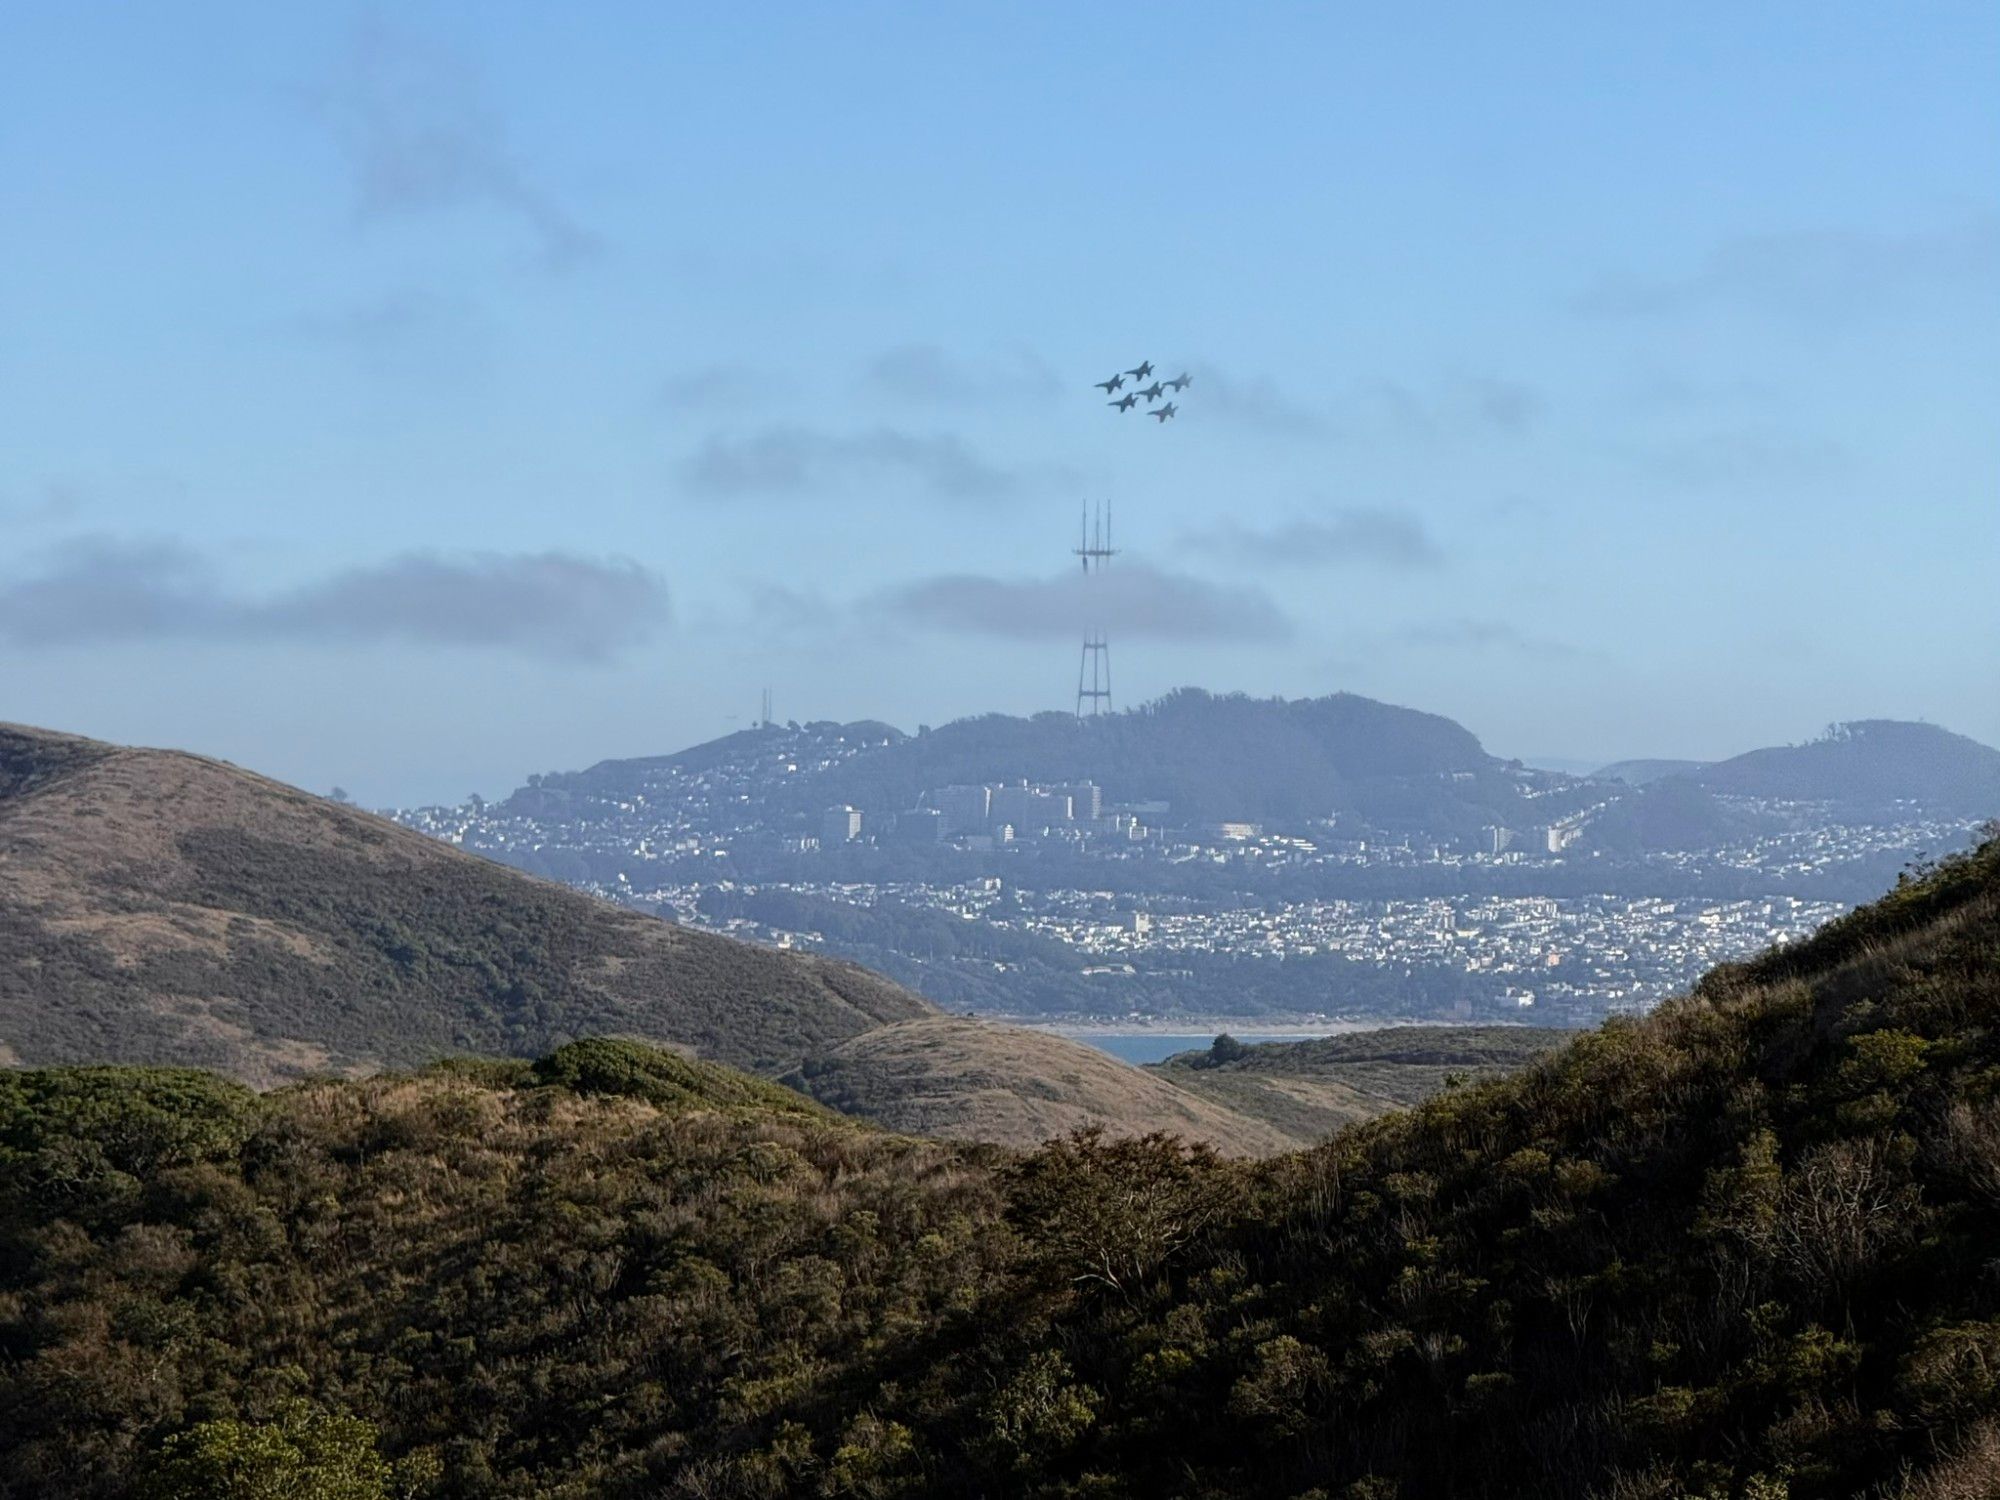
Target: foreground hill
point(961, 1079)
point(1312, 1088)
point(158, 907)
point(1739, 1249)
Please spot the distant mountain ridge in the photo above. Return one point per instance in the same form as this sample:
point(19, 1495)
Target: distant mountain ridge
point(1222, 757)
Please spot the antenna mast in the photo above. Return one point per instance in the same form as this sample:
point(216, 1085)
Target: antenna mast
point(1093, 670)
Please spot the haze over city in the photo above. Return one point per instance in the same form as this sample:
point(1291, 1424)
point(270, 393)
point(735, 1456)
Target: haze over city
point(415, 398)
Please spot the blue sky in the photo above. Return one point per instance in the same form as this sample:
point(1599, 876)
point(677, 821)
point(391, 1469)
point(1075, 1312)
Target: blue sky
point(412, 399)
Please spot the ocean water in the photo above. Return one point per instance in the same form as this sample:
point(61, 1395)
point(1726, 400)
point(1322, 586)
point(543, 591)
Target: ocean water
point(1150, 1046)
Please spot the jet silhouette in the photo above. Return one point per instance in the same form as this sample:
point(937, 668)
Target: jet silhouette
point(1181, 381)
point(1124, 402)
point(1152, 392)
point(1114, 383)
point(1163, 413)
point(1142, 372)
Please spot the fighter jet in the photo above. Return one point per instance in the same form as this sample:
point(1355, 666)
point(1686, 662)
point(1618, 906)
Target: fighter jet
point(1164, 412)
point(1152, 392)
point(1116, 382)
point(1142, 372)
point(1181, 381)
point(1125, 402)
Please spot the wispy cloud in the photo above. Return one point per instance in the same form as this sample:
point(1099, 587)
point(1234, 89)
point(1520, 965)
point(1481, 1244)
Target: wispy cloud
point(1464, 634)
point(1458, 403)
point(1135, 600)
point(421, 137)
point(1453, 403)
point(392, 316)
point(402, 329)
point(1378, 536)
point(1749, 455)
point(51, 504)
point(1508, 404)
point(551, 604)
point(1261, 404)
point(1517, 508)
point(1820, 272)
point(929, 373)
point(719, 387)
point(785, 460)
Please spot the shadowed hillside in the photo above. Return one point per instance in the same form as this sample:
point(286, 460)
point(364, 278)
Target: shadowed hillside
point(1740, 1249)
point(157, 907)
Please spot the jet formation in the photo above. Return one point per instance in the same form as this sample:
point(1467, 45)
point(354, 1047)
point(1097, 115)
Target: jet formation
point(1150, 394)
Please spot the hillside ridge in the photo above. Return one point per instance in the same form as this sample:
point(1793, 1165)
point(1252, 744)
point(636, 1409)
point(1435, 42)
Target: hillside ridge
point(164, 907)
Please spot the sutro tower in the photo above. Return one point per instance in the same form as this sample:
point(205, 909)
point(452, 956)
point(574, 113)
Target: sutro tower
point(1093, 671)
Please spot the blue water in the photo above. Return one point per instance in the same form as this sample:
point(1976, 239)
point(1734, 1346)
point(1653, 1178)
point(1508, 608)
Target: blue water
point(1152, 1047)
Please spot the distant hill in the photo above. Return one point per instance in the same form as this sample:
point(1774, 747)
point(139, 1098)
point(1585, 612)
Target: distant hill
point(962, 1079)
point(1740, 1249)
point(158, 907)
point(1312, 1088)
point(1640, 772)
point(1867, 766)
point(619, 775)
point(1668, 813)
point(1208, 756)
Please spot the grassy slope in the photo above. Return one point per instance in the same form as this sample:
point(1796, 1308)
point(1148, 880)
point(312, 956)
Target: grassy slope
point(962, 1079)
point(1739, 1249)
point(157, 907)
point(1310, 1089)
